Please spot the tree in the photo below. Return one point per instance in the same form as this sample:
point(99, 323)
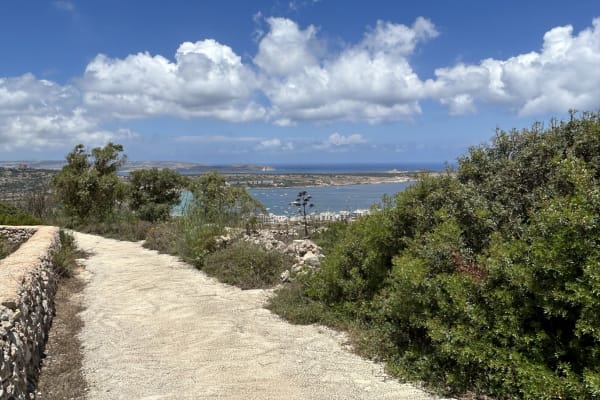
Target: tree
point(302, 201)
point(154, 191)
point(221, 203)
point(88, 185)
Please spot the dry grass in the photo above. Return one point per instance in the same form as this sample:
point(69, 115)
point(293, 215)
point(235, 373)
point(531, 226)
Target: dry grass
point(61, 377)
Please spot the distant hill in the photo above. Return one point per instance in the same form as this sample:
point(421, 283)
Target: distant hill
point(180, 166)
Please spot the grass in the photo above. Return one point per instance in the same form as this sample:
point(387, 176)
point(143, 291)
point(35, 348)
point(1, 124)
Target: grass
point(65, 259)
point(247, 265)
point(291, 304)
point(10, 215)
point(61, 375)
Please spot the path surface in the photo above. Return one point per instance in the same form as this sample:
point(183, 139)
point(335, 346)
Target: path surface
point(155, 328)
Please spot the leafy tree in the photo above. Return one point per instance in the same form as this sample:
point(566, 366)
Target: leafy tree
point(216, 206)
point(154, 191)
point(88, 185)
point(219, 202)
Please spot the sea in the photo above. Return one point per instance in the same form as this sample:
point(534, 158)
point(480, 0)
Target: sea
point(326, 198)
point(333, 198)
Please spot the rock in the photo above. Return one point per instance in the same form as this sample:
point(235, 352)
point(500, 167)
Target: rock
point(297, 267)
point(285, 276)
point(311, 259)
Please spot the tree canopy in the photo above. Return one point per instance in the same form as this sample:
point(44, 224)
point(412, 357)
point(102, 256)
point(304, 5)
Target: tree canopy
point(88, 186)
point(154, 191)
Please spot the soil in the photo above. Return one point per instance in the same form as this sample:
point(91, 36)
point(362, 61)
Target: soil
point(61, 377)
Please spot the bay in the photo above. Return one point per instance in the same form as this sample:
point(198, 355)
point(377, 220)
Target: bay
point(326, 198)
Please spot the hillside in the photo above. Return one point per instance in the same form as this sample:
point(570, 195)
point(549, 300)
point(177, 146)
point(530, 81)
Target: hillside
point(485, 280)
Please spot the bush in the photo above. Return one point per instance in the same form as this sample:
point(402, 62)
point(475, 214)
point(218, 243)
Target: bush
point(162, 238)
point(10, 215)
point(482, 280)
point(247, 265)
point(122, 225)
point(65, 259)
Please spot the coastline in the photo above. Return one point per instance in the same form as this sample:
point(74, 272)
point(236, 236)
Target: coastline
point(257, 181)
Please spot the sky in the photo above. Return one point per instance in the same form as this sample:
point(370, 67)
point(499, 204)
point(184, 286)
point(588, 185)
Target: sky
point(289, 82)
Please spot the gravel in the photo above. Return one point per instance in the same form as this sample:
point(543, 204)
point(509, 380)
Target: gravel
point(156, 328)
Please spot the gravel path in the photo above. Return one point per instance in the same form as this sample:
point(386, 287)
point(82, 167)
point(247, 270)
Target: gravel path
point(155, 328)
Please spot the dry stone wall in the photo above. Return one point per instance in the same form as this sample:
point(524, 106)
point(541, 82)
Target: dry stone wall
point(15, 234)
point(27, 289)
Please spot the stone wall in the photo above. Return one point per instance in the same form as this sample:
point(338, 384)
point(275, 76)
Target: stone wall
point(17, 234)
point(27, 288)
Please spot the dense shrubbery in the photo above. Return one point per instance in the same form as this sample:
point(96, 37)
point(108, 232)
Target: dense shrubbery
point(10, 215)
point(247, 265)
point(485, 279)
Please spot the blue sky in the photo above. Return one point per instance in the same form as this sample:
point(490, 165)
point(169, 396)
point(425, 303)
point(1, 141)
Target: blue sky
point(271, 82)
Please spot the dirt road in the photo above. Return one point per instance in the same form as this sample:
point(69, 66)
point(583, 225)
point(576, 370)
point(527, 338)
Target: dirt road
point(155, 328)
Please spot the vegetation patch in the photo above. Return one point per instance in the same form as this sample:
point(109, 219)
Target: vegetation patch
point(484, 280)
point(65, 259)
point(61, 375)
point(10, 215)
point(247, 265)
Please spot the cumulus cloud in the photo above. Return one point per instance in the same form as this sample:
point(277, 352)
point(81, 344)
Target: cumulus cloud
point(207, 79)
point(286, 49)
point(371, 80)
point(38, 114)
point(564, 74)
point(295, 78)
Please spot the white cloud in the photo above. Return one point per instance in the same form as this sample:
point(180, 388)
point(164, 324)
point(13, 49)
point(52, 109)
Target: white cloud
point(38, 114)
point(336, 141)
point(275, 144)
point(293, 78)
point(207, 79)
point(370, 81)
point(564, 74)
point(286, 49)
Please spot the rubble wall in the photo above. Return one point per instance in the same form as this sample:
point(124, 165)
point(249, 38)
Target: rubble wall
point(27, 288)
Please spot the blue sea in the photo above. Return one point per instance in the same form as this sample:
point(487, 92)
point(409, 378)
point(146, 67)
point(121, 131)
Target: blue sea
point(326, 198)
point(329, 198)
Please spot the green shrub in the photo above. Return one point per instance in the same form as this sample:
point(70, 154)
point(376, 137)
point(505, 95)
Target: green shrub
point(65, 259)
point(122, 225)
point(162, 238)
point(10, 215)
point(482, 280)
point(196, 242)
point(292, 304)
point(247, 265)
